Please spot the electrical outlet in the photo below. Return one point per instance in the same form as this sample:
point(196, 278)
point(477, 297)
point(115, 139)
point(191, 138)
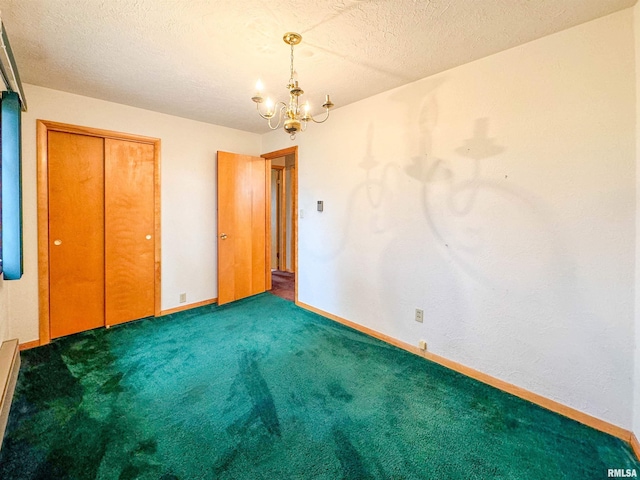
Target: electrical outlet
point(422, 344)
point(419, 315)
point(183, 297)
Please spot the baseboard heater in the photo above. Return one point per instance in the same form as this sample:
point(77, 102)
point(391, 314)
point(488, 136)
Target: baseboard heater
point(9, 367)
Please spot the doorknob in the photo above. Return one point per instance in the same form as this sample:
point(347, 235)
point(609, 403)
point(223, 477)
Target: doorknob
point(148, 237)
point(223, 236)
point(57, 242)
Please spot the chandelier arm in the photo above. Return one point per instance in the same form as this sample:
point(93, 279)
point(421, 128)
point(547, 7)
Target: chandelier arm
point(260, 113)
point(323, 120)
point(269, 117)
point(282, 107)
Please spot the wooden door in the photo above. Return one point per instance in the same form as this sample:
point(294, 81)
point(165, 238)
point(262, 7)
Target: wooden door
point(129, 231)
point(76, 232)
point(243, 199)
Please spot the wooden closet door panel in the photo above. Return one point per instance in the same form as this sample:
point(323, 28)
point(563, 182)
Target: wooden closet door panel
point(129, 231)
point(76, 232)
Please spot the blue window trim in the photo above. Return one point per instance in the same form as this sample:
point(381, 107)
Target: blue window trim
point(10, 118)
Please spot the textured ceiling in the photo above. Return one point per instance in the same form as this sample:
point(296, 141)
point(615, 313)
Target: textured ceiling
point(200, 59)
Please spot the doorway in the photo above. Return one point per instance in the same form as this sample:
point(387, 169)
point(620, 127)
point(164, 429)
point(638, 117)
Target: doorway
point(284, 231)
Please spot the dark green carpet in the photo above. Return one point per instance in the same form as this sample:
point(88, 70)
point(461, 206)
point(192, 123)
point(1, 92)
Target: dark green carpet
point(264, 390)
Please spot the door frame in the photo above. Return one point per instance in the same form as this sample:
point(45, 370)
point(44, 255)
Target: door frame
point(281, 233)
point(43, 127)
point(294, 210)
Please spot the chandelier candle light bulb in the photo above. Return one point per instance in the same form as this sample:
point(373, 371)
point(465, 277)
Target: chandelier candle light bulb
point(269, 105)
point(294, 122)
point(258, 96)
point(306, 115)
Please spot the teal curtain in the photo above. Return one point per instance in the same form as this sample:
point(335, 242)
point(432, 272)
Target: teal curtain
point(11, 165)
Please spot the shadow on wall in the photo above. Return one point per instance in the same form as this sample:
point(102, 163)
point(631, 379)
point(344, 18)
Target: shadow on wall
point(517, 287)
point(472, 209)
point(459, 218)
point(458, 188)
point(465, 197)
point(498, 234)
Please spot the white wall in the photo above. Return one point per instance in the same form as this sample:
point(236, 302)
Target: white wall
point(188, 179)
point(636, 397)
point(4, 312)
point(499, 197)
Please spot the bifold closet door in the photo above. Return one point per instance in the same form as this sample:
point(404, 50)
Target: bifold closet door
point(129, 231)
point(76, 232)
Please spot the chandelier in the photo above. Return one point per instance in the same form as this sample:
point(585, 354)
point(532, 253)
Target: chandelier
point(294, 119)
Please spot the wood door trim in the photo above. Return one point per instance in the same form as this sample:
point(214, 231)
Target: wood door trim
point(281, 153)
point(157, 227)
point(182, 308)
point(281, 220)
point(43, 127)
point(43, 232)
point(97, 132)
point(294, 221)
point(267, 222)
point(29, 345)
point(635, 445)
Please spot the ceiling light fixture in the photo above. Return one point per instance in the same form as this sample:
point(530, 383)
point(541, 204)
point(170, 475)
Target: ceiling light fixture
point(294, 120)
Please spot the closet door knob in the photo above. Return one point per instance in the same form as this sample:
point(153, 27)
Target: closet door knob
point(148, 237)
point(223, 236)
point(57, 242)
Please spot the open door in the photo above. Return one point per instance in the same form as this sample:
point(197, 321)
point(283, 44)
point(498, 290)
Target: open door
point(243, 216)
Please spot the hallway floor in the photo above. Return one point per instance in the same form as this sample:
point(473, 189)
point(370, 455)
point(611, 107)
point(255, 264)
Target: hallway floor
point(283, 284)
